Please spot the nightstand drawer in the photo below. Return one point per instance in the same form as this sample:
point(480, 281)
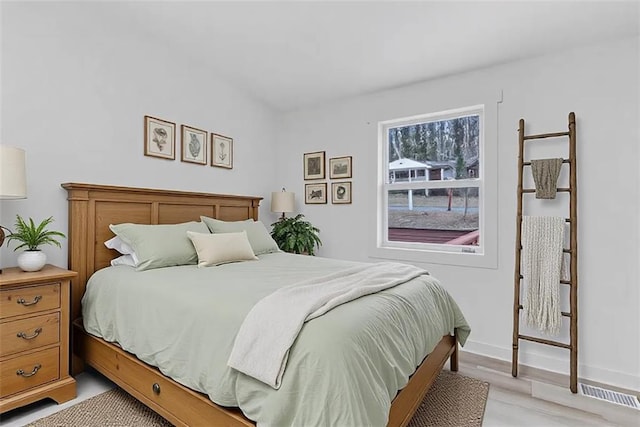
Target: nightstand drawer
point(30, 333)
point(29, 299)
point(25, 372)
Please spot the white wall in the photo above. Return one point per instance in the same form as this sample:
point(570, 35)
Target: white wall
point(75, 89)
point(600, 84)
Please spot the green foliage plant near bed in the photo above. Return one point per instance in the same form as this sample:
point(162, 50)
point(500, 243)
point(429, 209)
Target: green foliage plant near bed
point(296, 235)
point(33, 236)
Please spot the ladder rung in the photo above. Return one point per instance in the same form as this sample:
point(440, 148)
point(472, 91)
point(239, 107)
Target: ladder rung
point(543, 341)
point(564, 313)
point(564, 282)
point(529, 163)
point(546, 135)
point(565, 220)
point(560, 190)
point(566, 251)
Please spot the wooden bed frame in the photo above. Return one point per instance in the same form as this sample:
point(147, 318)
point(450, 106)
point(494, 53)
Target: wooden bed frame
point(91, 209)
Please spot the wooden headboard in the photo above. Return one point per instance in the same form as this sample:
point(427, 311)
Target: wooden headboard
point(93, 207)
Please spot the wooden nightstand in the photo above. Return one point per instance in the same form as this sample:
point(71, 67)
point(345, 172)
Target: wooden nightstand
point(34, 336)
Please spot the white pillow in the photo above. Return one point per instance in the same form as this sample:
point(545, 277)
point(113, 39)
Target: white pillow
point(124, 260)
point(216, 249)
point(119, 245)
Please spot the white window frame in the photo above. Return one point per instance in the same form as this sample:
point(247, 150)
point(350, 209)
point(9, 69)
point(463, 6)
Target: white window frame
point(483, 255)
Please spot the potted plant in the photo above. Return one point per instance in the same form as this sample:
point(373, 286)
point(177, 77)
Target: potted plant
point(32, 237)
point(296, 235)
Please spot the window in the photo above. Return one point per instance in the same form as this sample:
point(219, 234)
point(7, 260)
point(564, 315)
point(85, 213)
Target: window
point(431, 183)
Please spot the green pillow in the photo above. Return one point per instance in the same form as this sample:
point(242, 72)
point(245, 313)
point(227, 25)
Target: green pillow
point(161, 245)
point(258, 235)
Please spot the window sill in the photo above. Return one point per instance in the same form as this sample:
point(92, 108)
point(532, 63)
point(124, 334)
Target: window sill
point(460, 259)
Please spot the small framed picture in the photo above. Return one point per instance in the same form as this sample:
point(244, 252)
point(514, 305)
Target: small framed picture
point(341, 192)
point(221, 151)
point(313, 164)
point(315, 193)
point(159, 138)
point(340, 167)
point(194, 145)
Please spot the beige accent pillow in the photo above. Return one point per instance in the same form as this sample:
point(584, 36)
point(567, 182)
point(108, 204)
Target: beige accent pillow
point(216, 249)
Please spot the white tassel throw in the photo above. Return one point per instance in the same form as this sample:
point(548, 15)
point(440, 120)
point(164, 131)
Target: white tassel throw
point(542, 241)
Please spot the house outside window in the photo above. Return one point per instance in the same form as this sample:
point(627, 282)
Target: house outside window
point(431, 186)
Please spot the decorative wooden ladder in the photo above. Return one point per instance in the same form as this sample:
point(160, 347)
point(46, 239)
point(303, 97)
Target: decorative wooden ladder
point(573, 251)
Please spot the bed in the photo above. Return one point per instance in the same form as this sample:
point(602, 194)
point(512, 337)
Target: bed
point(91, 209)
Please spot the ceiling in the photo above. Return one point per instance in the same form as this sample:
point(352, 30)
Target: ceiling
point(299, 53)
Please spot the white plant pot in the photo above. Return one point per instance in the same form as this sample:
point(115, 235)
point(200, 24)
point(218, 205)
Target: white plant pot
point(32, 260)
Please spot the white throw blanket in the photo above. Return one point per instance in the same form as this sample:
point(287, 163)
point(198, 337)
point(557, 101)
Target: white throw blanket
point(542, 240)
point(262, 345)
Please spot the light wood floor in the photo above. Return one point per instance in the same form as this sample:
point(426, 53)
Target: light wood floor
point(505, 406)
point(541, 398)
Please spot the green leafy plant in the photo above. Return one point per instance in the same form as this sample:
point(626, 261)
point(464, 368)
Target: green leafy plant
point(32, 236)
point(296, 235)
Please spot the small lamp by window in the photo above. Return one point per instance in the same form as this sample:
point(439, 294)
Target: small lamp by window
point(13, 181)
point(282, 201)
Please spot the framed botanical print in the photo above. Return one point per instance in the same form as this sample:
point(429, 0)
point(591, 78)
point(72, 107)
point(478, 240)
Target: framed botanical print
point(313, 164)
point(159, 138)
point(340, 167)
point(194, 145)
point(315, 193)
point(221, 151)
point(341, 192)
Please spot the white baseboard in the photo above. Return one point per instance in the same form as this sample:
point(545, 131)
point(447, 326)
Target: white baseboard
point(598, 376)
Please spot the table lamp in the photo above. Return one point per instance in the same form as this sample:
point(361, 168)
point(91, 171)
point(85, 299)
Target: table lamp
point(282, 201)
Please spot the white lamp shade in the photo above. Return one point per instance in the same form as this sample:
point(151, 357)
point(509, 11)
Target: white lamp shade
point(13, 180)
point(282, 201)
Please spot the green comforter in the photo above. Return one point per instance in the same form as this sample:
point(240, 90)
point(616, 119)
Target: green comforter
point(344, 369)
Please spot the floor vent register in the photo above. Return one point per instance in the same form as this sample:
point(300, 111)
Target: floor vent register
point(618, 398)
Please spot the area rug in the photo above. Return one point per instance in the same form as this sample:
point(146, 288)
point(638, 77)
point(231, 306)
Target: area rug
point(453, 400)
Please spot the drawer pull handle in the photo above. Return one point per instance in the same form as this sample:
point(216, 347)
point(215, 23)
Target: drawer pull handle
point(24, 374)
point(25, 303)
point(156, 388)
point(29, 337)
